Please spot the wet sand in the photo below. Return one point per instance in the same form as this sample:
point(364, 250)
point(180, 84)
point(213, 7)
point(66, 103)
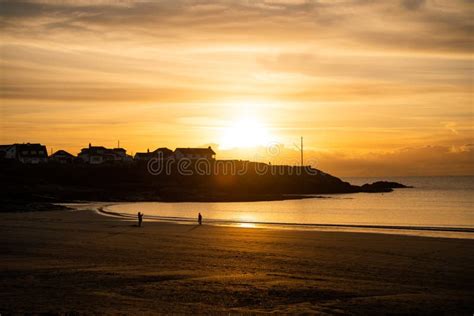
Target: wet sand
point(80, 261)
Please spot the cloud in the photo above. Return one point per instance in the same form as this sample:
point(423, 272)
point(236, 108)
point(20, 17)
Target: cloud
point(402, 69)
point(354, 74)
point(412, 4)
point(410, 161)
point(451, 126)
point(436, 26)
point(147, 46)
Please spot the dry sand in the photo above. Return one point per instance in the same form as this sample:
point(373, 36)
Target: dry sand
point(80, 261)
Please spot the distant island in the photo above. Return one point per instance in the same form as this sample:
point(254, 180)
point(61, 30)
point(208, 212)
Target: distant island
point(33, 180)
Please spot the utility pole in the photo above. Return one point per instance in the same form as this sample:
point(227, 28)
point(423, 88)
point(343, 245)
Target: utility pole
point(118, 144)
point(302, 162)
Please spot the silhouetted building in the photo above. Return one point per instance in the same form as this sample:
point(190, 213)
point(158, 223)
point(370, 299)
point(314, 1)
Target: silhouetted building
point(164, 152)
point(7, 152)
point(62, 156)
point(24, 153)
point(96, 155)
point(195, 153)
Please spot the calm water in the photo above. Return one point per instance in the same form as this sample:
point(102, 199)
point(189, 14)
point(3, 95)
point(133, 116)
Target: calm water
point(435, 202)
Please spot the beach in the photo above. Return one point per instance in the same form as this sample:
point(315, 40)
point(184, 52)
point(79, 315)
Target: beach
point(81, 261)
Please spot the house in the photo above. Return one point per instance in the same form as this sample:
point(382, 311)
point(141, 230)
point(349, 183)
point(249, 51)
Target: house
point(7, 152)
point(195, 153)
point(62, 157)
point(163, 152)
point(24, 153)
point(96, 155)
point(120, 155)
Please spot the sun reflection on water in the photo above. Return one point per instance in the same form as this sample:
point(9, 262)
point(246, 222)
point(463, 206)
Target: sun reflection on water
point(247, 225)
point(247, 220)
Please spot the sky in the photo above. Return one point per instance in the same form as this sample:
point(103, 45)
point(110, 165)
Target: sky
point(377, 88)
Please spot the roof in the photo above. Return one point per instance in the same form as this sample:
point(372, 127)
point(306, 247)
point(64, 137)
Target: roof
point(196, 151)
point(101, 150)
point(92, 149)
point(29, 146)
point(163, 150)
point(32, 150)
point(5, 147)
point(62, 153)
point(143, 155)
point(166, 152)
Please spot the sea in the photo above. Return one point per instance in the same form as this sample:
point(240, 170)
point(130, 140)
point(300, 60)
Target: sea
point(435, 206)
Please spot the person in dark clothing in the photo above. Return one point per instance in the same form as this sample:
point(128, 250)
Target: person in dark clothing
point(140, 219)
point(200, 219)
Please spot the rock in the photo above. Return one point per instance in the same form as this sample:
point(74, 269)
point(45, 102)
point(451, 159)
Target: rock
point(382, 186)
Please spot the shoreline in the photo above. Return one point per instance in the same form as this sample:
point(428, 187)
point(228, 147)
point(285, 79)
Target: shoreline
point(56, 261)
point(98, 206)
point(421, 231)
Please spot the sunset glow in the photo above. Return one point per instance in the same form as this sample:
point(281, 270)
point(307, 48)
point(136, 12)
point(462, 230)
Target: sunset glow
point(374, 87)
point(200, 157)
point(247, 132)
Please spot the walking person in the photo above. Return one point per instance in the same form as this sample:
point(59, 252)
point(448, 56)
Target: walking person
point(140, 219)
point(200, 219)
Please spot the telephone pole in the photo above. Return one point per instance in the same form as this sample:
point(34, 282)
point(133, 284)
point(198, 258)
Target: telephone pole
point(302, 162)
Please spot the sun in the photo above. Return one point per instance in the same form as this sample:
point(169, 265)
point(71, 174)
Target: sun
point(244, 133)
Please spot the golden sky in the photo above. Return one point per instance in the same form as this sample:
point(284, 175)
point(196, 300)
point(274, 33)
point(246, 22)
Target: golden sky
point(375, 87)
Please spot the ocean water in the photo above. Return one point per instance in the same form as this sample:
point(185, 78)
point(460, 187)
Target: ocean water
point(439, 206)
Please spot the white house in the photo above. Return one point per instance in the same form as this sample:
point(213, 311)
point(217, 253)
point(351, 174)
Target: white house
point(25, 153)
